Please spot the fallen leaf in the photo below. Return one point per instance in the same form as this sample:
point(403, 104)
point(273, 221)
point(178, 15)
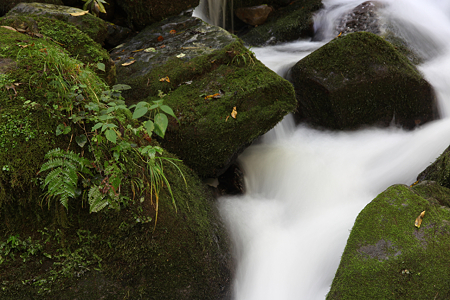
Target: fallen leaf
point(151, 49)
point(234, 113)
point(340, 33)
point(213, 61)
point(216, 95)
point(419, 219)
point(227, 118)
point(81, 13)
point(10, 28)
point(43, 50)
point(134, 51)
point(160, 38)
point(25, 46)
point(165, 79)
point(181, 55)
point(128, 63)
point(172, 31)
point(162, 46)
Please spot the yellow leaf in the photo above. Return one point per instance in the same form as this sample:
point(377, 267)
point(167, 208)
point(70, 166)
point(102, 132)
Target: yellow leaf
point(128, 63)
point(419, 219)
point(234, 113)
point(81, 13)
point(165, 79)
point(8, 27)
point(227, 118)
point(134, 51)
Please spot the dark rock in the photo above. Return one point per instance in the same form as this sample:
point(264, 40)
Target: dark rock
point(145, 12)
point(439, 170)
point(285, 24)
point(254, 15)
point(360, 79)
point(6, 5)
point(202, 60)
point(362, 18)
point(387, 257)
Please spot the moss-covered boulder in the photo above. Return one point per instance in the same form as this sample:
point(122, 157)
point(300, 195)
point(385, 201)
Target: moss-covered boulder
point(145, 12)
point(360, 79)
point(35, 73)
point(94, 27)
point(5, 6)
point(76, 42)
point(286, 24)
point(203, 73)
point(439, 170)
point(388, 257)
point(148, 246)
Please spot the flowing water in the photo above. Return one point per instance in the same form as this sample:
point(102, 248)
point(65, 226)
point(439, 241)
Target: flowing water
point(305, 187)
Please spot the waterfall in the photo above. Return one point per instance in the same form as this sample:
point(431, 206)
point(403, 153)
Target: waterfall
point(215, 11)
point(305, 187)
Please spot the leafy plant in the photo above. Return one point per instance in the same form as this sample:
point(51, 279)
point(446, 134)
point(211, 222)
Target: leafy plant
point(95, 6)
point(63, 178)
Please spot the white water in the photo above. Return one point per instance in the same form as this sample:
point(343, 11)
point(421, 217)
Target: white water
point(306, 187)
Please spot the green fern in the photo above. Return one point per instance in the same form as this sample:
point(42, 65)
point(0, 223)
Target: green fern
point(97, 200)
point(61, 181)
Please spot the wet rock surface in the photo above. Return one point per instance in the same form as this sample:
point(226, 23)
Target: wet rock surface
point(362, 18)
point(387, 257)
point(203, 73)
point(360, 79)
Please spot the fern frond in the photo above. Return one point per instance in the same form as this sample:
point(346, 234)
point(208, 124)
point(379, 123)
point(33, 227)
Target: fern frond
point(53, 163)
point(97, 200)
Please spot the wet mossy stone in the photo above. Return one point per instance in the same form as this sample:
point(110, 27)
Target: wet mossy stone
point(286, 24)
point(94, 27)
point(186, 256)
point(387, 257)
point(7, 5)
point(142, 13)
point(439, 170)
point(27, 131)
point(76, 42)
point(202, 60)
point(360, 79)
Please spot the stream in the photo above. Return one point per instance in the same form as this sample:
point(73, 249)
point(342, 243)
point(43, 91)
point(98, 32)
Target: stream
point(305, 187)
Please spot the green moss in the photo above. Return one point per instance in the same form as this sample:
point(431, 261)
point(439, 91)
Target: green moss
point(387, 257)
point(30, 112)
point(348, 83)
point(77, 43)
point(185, 257)
point(286, 24)
point(260, 96)
point(439, 170)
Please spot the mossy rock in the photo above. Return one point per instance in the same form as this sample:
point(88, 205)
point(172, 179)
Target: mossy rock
point(439, 170)
point(210, 73)
point(94, 27)
point(387, 257)
point(145, 12)
point(76, 42)
point(30, 97)
point(120, 254)
point(360, 79)
point(286, 24)
point(5, 6)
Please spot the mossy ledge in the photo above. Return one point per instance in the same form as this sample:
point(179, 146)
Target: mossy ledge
point(387, 257)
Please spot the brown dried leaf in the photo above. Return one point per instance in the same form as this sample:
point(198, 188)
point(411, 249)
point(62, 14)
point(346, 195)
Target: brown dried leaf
point(215, 96)
point(172, 31)
point(234, 113)
point(419, 219)
point(10, 28)
point(81, 13)
point(128, 63)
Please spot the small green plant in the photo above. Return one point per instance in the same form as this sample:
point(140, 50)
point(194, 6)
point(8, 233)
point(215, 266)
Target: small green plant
point(95, 6)
point(63, 178)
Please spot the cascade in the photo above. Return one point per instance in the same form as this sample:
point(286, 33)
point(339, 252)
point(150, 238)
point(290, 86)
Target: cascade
point(214, 11)
point(305, 187)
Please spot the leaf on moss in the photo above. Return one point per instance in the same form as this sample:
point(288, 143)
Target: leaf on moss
point(160, 38)
point(81, 13)
point(128, 63)
point(139, 50)
point(419, 219)
point(10, 28)
point(165, 79)
point(215, 96)
point(151, 49)
point(234, 113)
point(172, 31)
